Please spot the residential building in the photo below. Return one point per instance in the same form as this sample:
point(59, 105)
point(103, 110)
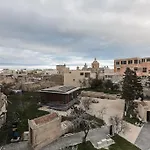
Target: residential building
point(3, 110)
point(62, 69)
point(140, 65)
point(60, 97)
point(50, 71)
point(76, 77)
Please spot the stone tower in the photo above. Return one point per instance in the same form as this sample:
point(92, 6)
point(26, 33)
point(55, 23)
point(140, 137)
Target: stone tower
point(85, 67)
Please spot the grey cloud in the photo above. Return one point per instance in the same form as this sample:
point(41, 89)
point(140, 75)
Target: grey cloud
point(82, 28)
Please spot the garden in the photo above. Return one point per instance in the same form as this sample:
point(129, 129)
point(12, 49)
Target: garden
point(21, 107)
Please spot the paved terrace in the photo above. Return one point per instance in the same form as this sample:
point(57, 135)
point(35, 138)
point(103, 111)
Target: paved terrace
point(143, 140)
point(94, 136)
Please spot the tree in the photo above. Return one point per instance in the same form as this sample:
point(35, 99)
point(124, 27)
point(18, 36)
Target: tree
point(131, 89)
point(108, 85)
point(83, 83)
point(119, 125)
point(96, 83)
point(115, 87)
point(82, 121)
point(86, 103)
point(102, 112)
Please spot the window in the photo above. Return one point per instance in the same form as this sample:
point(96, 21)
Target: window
point(148, 59)
point(143, 60)
point(117, 63)
point(87, 75)
point(123, 62)
point(144, 69)
point(118, 69)
point(81, 74)
point(135, 61)
point(73, 79)
point(136, 69)
point(129, 61)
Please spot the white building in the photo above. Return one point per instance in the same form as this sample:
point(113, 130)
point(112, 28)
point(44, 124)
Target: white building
point(3, 110)
point(75, 77)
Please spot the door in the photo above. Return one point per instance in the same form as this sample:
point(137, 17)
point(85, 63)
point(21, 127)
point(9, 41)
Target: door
point(148, 116)
point(31, 136)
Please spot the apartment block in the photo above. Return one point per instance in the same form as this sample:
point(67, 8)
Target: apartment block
point(140, 65)
point(75, 77)
point(62, 69)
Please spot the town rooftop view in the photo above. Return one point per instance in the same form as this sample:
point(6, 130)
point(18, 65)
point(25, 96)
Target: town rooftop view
point(74, 75)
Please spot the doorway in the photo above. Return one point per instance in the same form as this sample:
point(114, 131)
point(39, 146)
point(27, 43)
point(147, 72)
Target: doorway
point(31, 136)
point(148, 116)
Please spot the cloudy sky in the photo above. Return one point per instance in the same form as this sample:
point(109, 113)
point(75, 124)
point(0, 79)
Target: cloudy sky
point(43, 33)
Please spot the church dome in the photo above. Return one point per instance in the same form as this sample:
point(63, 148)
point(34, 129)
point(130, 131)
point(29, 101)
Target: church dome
point(95, 61)
point(95, 64)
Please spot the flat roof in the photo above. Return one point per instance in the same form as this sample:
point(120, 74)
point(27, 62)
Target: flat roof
point(60, 89)
point(127, 58)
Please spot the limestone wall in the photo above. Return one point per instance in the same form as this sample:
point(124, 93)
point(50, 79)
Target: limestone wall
point(46, 133)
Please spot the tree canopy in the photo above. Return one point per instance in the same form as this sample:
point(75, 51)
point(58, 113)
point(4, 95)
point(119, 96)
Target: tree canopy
point(132, 88)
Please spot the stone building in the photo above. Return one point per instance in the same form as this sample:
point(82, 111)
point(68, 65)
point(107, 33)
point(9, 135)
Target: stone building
point(144, 110)
point(140, 65)
point(3, 109)
point(50, 72)
point(62, 69)
point(95, 66)
point(85, 67)
point(76, 77)
point(44, 130)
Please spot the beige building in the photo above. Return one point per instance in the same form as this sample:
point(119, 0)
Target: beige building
point(75, 77)
point(50, 71)
point(140, 65)
point(3, 110)
point(44, 130)
point(62, 69)
point(144, 110)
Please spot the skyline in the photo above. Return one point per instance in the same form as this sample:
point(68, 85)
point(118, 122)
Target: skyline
point(44, 33)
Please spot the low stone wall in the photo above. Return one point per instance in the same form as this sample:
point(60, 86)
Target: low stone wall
point(46, 129)
point(98, 95)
